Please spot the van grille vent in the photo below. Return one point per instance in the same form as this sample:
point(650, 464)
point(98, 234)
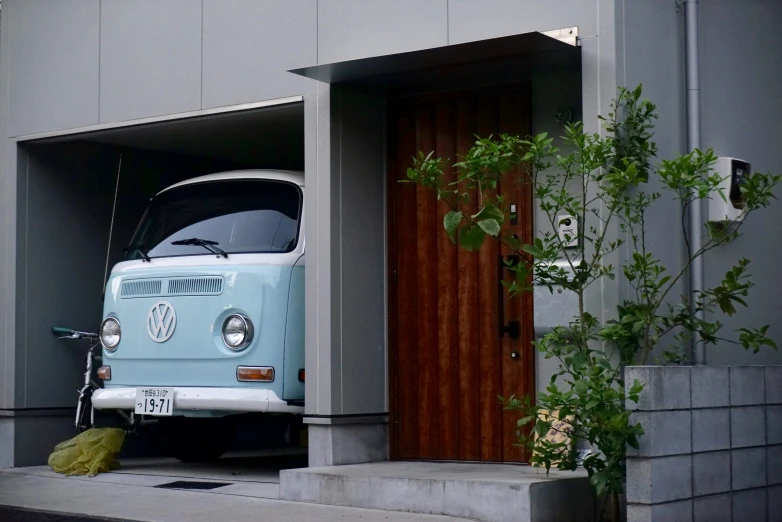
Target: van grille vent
point(195, 286)
point(141, 288)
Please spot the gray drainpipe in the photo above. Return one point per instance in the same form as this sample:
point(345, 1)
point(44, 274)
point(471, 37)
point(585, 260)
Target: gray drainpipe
point(693, 142)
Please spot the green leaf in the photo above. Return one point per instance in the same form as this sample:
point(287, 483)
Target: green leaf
point(579, 359)
point(490, 226)
point(738, 300)
point(451, 222)
point(471, 237)
point(523, 421)
point(542, 427)
point(580, 386)
point(600, 482)
point(532, 250)
point(726, 306)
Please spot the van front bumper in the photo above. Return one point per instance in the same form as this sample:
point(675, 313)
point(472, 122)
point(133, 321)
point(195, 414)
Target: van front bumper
point(239, 400)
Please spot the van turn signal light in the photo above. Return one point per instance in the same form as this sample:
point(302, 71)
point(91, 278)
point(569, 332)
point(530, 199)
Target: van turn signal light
point(104, 373)
point(301, 375)
point(255, 374)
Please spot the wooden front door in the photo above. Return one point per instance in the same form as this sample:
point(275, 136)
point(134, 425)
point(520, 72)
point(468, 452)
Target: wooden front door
point(448, 361)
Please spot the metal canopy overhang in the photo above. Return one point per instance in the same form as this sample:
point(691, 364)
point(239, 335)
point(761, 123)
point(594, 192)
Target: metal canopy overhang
point(497, 60)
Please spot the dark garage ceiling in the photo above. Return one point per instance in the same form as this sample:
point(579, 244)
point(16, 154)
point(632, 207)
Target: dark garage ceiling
point(264, 138)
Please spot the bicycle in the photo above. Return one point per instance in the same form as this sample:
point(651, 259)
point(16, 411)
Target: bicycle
point(85, 394)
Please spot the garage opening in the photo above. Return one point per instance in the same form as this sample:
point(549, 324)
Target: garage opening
point(66, 191)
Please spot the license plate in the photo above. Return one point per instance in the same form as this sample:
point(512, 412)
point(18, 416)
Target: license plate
point(154, 401)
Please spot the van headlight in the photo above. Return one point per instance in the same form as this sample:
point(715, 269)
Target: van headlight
point(237, 332)
point(110, 333)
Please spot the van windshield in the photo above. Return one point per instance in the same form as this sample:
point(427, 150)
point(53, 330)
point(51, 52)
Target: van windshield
point(242, 216)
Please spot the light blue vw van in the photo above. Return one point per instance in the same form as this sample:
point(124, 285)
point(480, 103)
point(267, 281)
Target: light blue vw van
point(204, 318)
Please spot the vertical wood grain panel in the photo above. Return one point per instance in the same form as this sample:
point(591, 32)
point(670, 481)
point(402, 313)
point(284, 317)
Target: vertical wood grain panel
point(426, 208)
point(489, 346)
point(407, 292)
point(447, 275)
point(467, 312)
point(513, 382)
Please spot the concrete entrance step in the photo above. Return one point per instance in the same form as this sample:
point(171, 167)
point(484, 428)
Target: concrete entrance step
point(487, 492)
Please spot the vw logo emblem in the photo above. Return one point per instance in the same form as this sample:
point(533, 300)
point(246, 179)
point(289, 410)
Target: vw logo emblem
point(161, 322)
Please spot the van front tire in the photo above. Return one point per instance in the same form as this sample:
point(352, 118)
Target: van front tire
point(197, 439)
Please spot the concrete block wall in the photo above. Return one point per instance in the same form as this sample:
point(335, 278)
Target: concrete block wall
point(712, 444)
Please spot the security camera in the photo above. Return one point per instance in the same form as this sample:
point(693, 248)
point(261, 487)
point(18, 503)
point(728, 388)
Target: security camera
point(733, 172)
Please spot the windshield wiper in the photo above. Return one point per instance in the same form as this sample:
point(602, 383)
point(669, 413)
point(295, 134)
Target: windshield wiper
point(142, 249)
point(207, 244)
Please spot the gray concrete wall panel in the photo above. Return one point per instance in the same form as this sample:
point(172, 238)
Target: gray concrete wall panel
point(346, 345)
point(742, 117)
point(6, 442)
point(349, 29)
point(598, 84)
point(341, 445)
point(36, 436)
point(332, 275)
point(550, 91)
point(8, 162)
point(20, 291)
point(363, 251)
point(321, 361)
point(53, 75)
point(249, 45)
point(62, 266)
point(150, 58)
point(660, 68)
point(470, 20)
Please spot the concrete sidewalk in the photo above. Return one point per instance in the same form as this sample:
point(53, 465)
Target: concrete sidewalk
point(244, 490)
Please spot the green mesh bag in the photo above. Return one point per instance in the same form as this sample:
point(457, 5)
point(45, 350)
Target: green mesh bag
point(88, 453)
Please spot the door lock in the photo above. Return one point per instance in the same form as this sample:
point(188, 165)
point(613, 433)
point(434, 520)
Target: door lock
point(512, 329)
point(514, 355)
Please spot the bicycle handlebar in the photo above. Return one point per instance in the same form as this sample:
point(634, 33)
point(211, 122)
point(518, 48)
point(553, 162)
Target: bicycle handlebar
point(59, 330)
point(73, 334)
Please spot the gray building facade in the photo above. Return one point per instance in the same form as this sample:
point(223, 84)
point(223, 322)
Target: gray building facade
point(195, 86)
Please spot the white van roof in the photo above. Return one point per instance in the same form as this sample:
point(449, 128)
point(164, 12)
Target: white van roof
point(290, 176)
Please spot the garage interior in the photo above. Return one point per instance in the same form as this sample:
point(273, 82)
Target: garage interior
point(66, 196)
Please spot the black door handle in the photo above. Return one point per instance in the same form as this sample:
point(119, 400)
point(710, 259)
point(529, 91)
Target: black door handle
point(513, 328)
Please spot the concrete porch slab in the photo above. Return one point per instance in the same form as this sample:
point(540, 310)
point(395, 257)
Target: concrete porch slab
point(487, 492)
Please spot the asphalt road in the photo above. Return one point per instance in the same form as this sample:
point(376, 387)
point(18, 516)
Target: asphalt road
point(11, 514)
